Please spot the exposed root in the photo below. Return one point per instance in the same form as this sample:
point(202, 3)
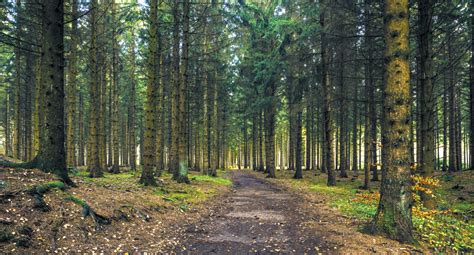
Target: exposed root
point(98, 219)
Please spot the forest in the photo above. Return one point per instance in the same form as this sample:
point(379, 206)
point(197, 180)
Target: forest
point(237, 126)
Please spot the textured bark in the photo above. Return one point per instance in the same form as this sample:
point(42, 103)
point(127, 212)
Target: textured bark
point(175, 121)
point(246, 145)
point(93, 152)
point(342, 116)
point(159, 116)
point(132, 106)
point(115, 93)
point(72, 88)
point(81, 136)
point(181, 173)
point(254, 142)
point(298, 128)
point(19, 86)
point(369, 139)
point(52, 154)
point(298, 155)
point(260, 144)
point(326, 92)
point(102, 62)
point(453, 167)
point(393, 215)
point(471, 89)
point(309, 134)
point(427, 96)
point(269, 122)
point(8, 149)
point(147, 177)
point(355, 115)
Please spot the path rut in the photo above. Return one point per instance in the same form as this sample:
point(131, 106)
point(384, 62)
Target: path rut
point(258, 218)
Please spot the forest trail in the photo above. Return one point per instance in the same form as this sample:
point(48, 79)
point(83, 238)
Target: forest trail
point(262, 217)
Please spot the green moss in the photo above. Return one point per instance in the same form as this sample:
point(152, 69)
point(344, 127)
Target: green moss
point(77, 201)
point(5, 235)
point(43, 188)
point(215, 180)
point(354, 209)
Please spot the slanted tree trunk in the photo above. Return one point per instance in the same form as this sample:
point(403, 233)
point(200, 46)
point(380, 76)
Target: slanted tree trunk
point(393, 216)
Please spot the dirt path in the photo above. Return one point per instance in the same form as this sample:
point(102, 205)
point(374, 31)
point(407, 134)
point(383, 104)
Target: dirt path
point(260, 217)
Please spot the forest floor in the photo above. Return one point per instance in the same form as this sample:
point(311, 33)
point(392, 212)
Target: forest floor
point(261, 216)
point(239, 212)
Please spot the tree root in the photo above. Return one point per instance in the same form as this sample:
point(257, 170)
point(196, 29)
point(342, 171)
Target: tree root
point(125, 213)
point(98, 219)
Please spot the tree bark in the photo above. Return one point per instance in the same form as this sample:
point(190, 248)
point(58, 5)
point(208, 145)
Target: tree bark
point(393, 215)
point(52, 154)
point(94, 115)
point(181, 173)
point(328, 125)
point(147, 177)
point(427, 96)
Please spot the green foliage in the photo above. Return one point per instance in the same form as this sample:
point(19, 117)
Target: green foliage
point(43, 188)
point(77, 201)
point(215, 180)
point(361, 211)
point(447, 229)
point(445, 233)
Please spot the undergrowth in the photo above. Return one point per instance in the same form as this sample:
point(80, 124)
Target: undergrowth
point(450, 227)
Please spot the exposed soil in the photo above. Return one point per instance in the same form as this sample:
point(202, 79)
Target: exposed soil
point(263, 217)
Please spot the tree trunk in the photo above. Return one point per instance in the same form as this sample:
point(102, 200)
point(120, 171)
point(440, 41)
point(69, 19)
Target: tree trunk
point(254, 142)
point(52, 154)
point(342, 116)
point(393, 215)
point(471, 90)
point(269, 121)
point(452, 107)
point(181, 173)
point(354, 129)
point(328, 125)
point(260, 144)
point(427, 96)
point(147, 177)
point(132, 105)
point(159, 132)
point(94, 115)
